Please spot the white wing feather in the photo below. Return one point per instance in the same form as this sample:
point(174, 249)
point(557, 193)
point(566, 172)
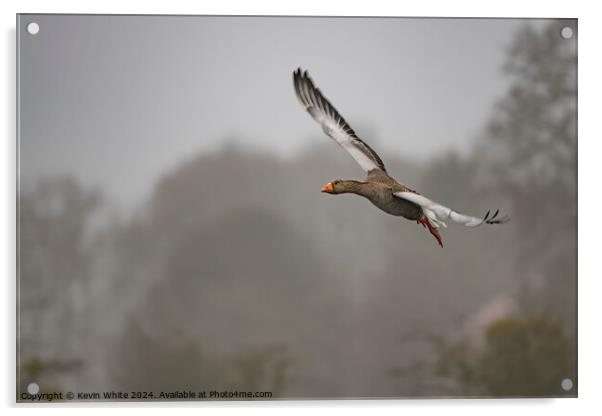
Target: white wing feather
point(437, 213)
point(333, 124)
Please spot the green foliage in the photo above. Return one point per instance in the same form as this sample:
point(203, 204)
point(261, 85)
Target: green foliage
point(520, 357)
point(525, 357)
point(44, 372)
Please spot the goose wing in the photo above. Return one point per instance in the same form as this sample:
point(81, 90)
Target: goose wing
point(437, 214)
point(333, 124)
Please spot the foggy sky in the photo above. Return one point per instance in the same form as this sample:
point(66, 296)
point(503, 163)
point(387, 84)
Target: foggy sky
point(118, 101)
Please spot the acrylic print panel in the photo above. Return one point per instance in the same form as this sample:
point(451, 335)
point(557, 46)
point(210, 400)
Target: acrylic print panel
point(174, 243)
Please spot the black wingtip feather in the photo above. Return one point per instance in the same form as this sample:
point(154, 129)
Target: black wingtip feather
point(497, 211)
point(495, 219)
point(486, 216)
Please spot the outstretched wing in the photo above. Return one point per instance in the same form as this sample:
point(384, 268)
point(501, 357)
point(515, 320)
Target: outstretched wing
point(333, 124)
point(437, 213)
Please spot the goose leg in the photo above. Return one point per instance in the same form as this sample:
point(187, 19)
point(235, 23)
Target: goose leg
point(434, 231)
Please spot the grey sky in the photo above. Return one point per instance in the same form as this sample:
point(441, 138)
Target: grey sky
point(117, 101)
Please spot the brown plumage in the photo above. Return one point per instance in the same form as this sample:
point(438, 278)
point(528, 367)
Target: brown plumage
point(378, 187)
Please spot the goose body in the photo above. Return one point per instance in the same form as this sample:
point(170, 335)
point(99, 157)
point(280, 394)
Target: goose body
point(379, 187)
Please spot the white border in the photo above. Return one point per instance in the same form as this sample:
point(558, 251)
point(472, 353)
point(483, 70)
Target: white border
point(590, 348)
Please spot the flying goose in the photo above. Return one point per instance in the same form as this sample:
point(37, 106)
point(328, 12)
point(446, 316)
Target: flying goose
point(378, 187)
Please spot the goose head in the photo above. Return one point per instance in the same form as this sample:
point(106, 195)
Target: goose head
point(339, 186)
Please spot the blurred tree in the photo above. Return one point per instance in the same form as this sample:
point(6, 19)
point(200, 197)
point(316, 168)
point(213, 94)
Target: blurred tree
point(264, 369)
point(532, 154)
point(176, 361)
point(47, 373)
point(521, 357)
point(526, 357)
point(54, 265)
point(247, 288)
point(528, 156)
point(163, 362)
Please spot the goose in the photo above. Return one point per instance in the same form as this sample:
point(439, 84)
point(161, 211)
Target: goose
point(378, 187)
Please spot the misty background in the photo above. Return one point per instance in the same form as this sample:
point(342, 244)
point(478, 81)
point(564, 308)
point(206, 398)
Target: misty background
point(172, 234)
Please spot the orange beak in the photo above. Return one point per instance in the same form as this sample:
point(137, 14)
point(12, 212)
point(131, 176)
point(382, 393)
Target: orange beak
point(327, 188)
